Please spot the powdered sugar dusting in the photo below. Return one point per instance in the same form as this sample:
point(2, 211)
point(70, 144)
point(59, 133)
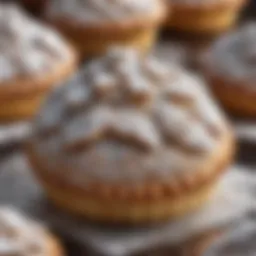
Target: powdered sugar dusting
point(27, 48)
point(145, 116)
point(234, 56)
point(101, 10)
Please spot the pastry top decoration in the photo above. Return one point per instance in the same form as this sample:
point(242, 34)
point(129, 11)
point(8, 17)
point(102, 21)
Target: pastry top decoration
point(102, 10)
point(234, 55)
point(124, 107)
point(27, 47)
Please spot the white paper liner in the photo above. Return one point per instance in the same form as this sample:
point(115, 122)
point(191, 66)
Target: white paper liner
point(234, 199)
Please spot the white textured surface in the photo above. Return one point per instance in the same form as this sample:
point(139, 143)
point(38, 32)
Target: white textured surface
point(27, 47)
point(101, 10)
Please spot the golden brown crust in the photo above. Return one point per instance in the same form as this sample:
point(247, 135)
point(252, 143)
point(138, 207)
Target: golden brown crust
point(235, 96)
point(116, 211)
point(28, 86)
point(21, 98)
point(20, 109)
point(94, 44)
point(214, 6)
point(207, 18)
point(151, 191)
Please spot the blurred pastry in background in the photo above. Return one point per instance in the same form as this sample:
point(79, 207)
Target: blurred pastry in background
point(24, 237)
point(94, 25)
point(239, 241)
point(230, 68)
point(130, 140)
point(202, 16)
point(33, 60)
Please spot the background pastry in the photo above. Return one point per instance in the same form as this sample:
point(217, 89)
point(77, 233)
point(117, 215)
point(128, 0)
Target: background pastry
point(130, 140)
point(92, 26)
point(230, 68)
point(203, 16)
point(21, 236)
point(33, 59)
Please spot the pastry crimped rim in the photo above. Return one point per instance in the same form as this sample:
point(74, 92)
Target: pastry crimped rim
point(153, 191)
point(129, 212)
point(235, 96)
point(28, 86)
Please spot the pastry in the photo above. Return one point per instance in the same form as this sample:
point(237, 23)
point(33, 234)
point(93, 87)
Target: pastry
point(239, 241)
point(130, 140)
point(21, 236)
point(33, 59)
point(230, 68)
point(94, 25)
point(203, 16)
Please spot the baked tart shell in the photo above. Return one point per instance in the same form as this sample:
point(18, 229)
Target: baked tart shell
point(150, 202)
point(94, 39)
point(21, 98)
